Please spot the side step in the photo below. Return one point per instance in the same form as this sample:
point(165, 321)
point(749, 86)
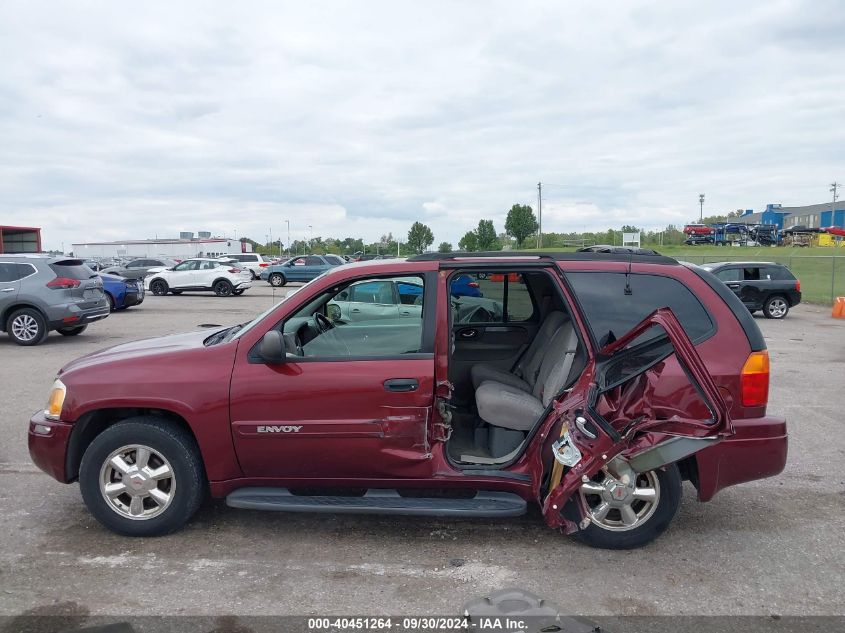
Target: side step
point(377, 501)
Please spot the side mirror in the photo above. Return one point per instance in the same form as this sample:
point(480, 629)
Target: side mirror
point(273, 348)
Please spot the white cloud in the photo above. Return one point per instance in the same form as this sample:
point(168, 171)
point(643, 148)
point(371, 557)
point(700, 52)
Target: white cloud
point(122, 122)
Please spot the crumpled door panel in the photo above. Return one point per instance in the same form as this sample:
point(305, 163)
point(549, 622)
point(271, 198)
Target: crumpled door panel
point(610, 418)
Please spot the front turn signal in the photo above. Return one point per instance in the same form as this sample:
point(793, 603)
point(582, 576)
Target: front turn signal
point(55, 401)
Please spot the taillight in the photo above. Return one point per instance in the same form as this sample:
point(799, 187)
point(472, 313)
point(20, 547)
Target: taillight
point(63, 283)
point(473, 284)
point(263, 265)
point(754, 381)
point(234, 270)
point(798, 285)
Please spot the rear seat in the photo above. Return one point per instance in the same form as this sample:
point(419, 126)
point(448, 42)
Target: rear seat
point(525, 373)
point(512, 407)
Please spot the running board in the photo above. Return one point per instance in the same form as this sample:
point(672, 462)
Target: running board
point(377, 501)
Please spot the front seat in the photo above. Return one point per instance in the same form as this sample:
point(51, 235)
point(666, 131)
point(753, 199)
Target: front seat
point(524, 375)
point(511, 407)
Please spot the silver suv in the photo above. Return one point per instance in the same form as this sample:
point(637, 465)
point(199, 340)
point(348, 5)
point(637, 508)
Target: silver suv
point(39, 293)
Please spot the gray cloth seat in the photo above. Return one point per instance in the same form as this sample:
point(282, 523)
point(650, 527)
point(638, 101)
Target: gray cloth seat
point(509, 406)
point(525, 373)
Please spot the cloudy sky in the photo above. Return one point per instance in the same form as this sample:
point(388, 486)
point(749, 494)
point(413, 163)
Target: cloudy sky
point(129, 120)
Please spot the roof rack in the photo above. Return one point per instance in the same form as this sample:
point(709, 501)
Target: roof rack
point(544, 256)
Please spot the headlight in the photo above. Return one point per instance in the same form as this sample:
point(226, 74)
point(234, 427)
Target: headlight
point(55, 401)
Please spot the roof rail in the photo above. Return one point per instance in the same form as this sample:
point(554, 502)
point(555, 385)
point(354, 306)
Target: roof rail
point(544, 256)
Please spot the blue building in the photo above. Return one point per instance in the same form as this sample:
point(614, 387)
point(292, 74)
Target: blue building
point(813, 216)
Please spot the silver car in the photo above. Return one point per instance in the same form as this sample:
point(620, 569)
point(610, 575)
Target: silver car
point(39, 293)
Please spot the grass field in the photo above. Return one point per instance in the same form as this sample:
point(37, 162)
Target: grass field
point(821, 270)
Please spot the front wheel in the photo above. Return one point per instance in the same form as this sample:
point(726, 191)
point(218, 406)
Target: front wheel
point(142, 477)
point(72, 331)
point(628, 516)
point(776, 307)
point(277, 280)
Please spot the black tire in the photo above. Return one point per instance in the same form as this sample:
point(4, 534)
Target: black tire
point(176, 292)
point(277, 280)
point(166, 439)
point(776, 307)
point(671, 491)
point(159, 287)
point(72, 331)
point(223, 288)
point(112, 307)
point(27, 327)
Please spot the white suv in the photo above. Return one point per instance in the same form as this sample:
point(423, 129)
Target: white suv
point(253, 262)
point(224, 278)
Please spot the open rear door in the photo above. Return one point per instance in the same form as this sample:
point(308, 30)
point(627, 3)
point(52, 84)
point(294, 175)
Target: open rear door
point(610, 421)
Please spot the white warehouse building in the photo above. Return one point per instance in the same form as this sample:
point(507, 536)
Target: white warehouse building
point(183, 248)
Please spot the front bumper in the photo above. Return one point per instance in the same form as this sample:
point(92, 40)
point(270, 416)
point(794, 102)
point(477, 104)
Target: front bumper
point(757, 450)
point(48, 443)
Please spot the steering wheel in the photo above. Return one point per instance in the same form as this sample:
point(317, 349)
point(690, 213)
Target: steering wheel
point(323, 322)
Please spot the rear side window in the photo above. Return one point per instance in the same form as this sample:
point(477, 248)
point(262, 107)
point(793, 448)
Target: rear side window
point(10, 271)
point(751, 273)
point(313, 261)
point(611, 313)
point(779, 273)
point(72, 269)
point(491, 296)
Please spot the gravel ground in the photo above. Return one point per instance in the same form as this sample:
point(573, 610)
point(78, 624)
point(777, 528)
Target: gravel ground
point(775, 546)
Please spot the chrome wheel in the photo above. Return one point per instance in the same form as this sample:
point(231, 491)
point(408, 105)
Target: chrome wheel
point(25, 328)
point(621, 504)
point(137, 482)
point(777, 308)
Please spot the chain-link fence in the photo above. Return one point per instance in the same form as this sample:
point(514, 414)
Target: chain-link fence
point(822, 277)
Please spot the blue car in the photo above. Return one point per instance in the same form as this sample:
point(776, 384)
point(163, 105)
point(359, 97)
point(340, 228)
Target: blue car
point(303, 268)
point(122, 292)
point(465, 286)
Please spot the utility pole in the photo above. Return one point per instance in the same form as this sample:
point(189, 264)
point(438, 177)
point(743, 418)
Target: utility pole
point(701, 204)
point(834, 186)
point(539, 215)
point(280, 248)
point(310, 238)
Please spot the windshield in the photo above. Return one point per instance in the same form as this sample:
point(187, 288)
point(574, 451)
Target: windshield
point(251, 324)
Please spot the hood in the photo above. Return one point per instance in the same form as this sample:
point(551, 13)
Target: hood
point(145, 348)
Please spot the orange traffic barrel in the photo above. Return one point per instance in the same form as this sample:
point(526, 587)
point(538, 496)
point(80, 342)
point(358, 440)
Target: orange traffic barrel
point(839, 308)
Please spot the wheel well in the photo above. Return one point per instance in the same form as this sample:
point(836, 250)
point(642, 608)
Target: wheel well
point(688, 468)
point(8, 312)
point(214, 283)
point(155, 279)
point(93, 423)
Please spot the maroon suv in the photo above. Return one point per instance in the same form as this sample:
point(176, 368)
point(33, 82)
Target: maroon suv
point(590, 384)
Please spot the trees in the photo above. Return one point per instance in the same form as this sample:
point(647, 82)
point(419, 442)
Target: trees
point(521, 223)
point(485, 236)
point(445, 247)
point(469, 242)
point(420, 237)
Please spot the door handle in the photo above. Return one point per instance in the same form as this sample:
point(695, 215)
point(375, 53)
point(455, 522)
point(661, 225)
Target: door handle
point(733, 285)
point(356, 310)
point(7, 289)
point(401, 384)
point(468, 334)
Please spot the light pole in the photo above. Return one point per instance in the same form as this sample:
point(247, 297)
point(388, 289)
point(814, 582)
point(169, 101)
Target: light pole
point(701, 205)
point(280, 248)
point(310, 238)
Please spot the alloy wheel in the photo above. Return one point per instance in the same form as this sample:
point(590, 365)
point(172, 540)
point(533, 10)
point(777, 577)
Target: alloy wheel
point(621, 504)
point(25, 328)
point(137, 482)
point(777, 308)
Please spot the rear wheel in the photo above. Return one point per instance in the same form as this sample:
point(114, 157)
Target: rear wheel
point(277, 280)
point(111, 302)
point(158, 287)
point(625, 516)
point(27, 327)
point(223, 288)
point(72, 331)
point(142, 477)
point(776, 307)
